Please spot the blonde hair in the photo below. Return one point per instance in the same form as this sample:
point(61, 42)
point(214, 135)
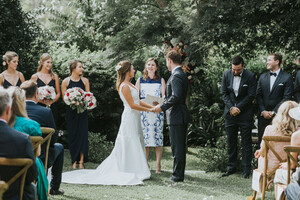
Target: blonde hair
point(43, 58)
point(145, 72)
point(9, 56)
point(125, 67)
point(18, 107)
point(282, 121)
point(73, 65)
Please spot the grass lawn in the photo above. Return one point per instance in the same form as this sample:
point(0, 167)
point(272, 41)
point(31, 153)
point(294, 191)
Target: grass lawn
point(197, 184)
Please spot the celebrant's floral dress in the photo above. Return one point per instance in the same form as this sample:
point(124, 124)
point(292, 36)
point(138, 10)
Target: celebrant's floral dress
point(152, 123)
point(77, 127)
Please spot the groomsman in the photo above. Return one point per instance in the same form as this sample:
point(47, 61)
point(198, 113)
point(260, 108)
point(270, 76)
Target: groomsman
point(238, 92)
point(274, 87)
point(297, 87)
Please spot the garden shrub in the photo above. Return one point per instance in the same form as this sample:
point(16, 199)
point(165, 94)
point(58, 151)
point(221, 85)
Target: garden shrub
point(99, 147)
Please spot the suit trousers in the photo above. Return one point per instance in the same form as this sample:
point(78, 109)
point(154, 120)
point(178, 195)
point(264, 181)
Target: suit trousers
point(262, 124)
point(57, 167)
point(245, 127)
point(292, 191)
point(178, 145)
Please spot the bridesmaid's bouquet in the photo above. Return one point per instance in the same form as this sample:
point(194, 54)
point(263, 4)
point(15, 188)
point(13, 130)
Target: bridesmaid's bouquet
point(46, 93)
point(78, 99)
point(89, 101)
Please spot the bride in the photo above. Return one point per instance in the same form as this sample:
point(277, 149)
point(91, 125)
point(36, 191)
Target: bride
point(126, 165)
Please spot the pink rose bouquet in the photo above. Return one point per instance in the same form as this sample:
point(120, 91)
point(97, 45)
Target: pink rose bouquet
point(46, 93)
point(89, 100)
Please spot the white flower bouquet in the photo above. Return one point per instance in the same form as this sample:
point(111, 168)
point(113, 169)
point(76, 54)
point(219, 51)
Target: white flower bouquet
point(46, 93)
point(78, 99)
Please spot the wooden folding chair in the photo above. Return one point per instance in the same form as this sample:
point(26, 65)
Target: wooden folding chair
point(268, 177)
point(17, 162)
point(3, 188)
point(49, 132)
point(288, 149)
point(36, 142)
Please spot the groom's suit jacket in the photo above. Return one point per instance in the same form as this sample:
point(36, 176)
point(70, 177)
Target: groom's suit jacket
point(282, 90)
point(176, 91)
point(246, 94)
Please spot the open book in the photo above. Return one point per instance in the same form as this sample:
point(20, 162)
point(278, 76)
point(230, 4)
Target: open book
point(150, 99)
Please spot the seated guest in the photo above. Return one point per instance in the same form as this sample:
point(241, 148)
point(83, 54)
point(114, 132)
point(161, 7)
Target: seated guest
point(20, 122)
point(44, 117)
point(14, 144)
point(281, 174)
point(282, 125)
point(292, 191)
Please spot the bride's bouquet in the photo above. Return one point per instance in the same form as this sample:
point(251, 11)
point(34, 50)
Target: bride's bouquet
point(78, 99)
point(46, 93)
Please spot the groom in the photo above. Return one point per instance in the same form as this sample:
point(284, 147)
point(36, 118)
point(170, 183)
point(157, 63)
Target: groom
point(176, 112)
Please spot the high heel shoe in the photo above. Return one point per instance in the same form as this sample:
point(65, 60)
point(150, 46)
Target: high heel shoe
point(81, 166)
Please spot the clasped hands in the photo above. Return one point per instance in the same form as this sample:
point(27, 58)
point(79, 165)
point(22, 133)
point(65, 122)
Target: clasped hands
point(234, 111)
point(156, 107)
point(267, 114)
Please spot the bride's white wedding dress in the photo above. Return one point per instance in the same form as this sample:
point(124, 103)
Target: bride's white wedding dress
point(126, 165)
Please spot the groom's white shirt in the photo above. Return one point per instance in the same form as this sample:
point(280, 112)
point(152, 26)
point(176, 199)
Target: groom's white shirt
point(173, 70)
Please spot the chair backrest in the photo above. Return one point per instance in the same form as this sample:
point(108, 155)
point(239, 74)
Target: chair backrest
point(49, 132)
point(288, 149)
point(17, 162)
point(36, 142)
point(268, 146)
point(3, 188)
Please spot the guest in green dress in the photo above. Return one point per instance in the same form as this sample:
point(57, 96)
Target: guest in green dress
point(20, 121)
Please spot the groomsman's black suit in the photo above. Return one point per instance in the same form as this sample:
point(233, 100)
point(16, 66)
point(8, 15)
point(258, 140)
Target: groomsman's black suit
point(297, 87)
point(270, 100)
point(14, 144)
point(177, 119)
point(45, 118)
point(242, 121)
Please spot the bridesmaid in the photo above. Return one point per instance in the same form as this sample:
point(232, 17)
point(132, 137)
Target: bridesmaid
point(10, 76)
point(151, 83)
point(77, 123)
point(45, 76)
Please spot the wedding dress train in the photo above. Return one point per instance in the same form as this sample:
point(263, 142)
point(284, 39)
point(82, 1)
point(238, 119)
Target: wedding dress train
point(126, 165)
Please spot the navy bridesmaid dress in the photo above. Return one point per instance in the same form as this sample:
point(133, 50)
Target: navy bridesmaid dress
point(53, 106)
point(77, 127)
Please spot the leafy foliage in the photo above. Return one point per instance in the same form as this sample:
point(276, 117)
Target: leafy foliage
point(99, 147)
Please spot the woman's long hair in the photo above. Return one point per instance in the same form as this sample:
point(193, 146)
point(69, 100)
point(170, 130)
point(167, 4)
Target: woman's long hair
point(18, 107)
point(145, 72)
point(43, 58)
point(282, 121)
point(9, 55)
point(73, 65)
point(122, 68)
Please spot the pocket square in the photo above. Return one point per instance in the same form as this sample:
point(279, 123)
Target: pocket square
point(280, 84)
point(245, 85)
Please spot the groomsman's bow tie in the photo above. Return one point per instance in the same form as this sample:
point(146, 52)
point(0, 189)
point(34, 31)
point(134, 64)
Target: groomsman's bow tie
point(273, 74)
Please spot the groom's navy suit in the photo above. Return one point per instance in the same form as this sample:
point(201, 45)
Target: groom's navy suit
point(14, 144)
point(177, 119)
point(45, 118)
point(270, 100)
point(243, 121)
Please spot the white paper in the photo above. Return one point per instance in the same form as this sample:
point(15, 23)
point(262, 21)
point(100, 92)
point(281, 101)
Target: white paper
point(150, 99)
point(256, 177)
